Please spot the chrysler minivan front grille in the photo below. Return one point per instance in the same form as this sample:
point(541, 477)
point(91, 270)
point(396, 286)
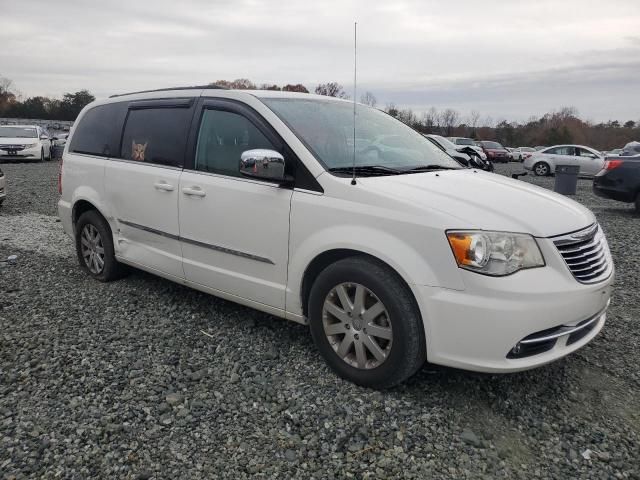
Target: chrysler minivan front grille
point(586, 254)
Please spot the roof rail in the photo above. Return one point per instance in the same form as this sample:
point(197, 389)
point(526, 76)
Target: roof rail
point(194, 87)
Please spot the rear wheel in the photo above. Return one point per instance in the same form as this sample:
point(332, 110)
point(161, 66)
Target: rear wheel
point(541, 169)
point(94, 246)
point(365, 323)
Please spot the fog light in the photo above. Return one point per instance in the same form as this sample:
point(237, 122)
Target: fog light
point(515, 350)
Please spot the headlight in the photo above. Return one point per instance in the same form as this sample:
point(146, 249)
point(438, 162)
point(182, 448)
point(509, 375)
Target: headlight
point(31, 145)
point(494, 253)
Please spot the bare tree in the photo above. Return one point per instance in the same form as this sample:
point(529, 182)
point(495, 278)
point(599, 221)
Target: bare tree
point(430, 120)
point(369, 98)
point(449, 119)
point(331, 89)
point(5, 85)
point(474, 119)
point(392, 110)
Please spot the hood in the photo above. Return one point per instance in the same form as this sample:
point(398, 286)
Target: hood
point(17, 141)
point(487, 201)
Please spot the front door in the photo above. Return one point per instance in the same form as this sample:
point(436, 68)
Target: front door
point(234, 230)
point(590, 163)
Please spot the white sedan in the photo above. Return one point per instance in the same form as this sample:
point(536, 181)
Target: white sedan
point(24, 142)
point(544, 162)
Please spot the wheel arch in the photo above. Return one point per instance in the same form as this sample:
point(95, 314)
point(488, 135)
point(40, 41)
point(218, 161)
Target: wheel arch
point(328, 257)
point(82, 205)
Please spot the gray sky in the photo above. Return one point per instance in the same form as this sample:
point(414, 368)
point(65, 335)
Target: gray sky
point(506, 59)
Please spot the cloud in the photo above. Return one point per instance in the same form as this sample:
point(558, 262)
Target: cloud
point(506, 59)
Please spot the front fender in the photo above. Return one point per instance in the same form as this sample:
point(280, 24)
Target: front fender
point(413, 266)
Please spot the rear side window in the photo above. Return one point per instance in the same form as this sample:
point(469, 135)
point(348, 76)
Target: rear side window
point(98, 132)
point(156, 135)
point(222, 138)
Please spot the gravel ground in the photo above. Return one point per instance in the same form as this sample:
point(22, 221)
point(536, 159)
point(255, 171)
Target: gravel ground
point(143, 378)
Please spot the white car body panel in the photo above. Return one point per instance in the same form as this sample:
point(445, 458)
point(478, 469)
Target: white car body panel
point(245, 263)
point(251, 242)
point(142, 200)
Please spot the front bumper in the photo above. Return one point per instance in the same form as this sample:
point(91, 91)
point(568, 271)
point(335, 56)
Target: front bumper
point(32, 153)
point(478, 328)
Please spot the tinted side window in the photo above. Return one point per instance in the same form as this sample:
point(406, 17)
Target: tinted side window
point(98, 133)
point(156, 135)
point(222, 138)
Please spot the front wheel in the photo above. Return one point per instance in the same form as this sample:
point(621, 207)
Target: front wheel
point(541, 169)
point(366, 324)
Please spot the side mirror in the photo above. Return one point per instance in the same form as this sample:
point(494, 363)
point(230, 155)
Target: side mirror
point(263, 164)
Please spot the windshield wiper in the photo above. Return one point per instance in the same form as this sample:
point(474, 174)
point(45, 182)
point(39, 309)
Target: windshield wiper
point(367, 170)
point(427, 168)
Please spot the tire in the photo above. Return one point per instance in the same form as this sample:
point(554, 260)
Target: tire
point(42, 159)
point(91, 222)
point(638, 203)
point(399, 325)
point(541, 169)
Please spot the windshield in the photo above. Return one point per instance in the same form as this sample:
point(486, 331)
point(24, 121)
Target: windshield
point(326, 128)
point(464, 141)
point(444, 142)
point(18, 132)
point(494, 145)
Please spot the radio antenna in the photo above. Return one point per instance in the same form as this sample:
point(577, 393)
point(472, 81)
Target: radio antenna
point(355, 69)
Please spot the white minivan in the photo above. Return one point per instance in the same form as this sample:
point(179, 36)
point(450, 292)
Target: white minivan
point(250, 196)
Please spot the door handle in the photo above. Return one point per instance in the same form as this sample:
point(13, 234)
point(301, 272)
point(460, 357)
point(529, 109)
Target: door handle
point(194, 191)
point(162, 185)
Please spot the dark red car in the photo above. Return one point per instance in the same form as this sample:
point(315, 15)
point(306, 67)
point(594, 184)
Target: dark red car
point(495, 152)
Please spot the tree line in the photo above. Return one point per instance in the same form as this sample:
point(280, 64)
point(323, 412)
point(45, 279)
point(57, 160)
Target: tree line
point(557, 127)
point(67, 108)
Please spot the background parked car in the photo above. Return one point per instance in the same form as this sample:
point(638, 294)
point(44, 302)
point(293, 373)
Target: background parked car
point(631, 149)
point(619, 180)
point(510, 153)
point(58, 143)
point(520, 153)
point(466, 155)
point(612, 153)
point(545, 161)
point(495, 151)
point(24, 142)
point(468, 142)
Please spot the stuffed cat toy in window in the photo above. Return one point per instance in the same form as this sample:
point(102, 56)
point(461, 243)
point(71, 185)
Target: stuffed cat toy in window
point(137, 151)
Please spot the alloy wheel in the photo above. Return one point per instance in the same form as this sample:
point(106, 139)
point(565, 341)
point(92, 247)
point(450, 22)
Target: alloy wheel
point(92, 249)
point(357, 326)
point(541, 169)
